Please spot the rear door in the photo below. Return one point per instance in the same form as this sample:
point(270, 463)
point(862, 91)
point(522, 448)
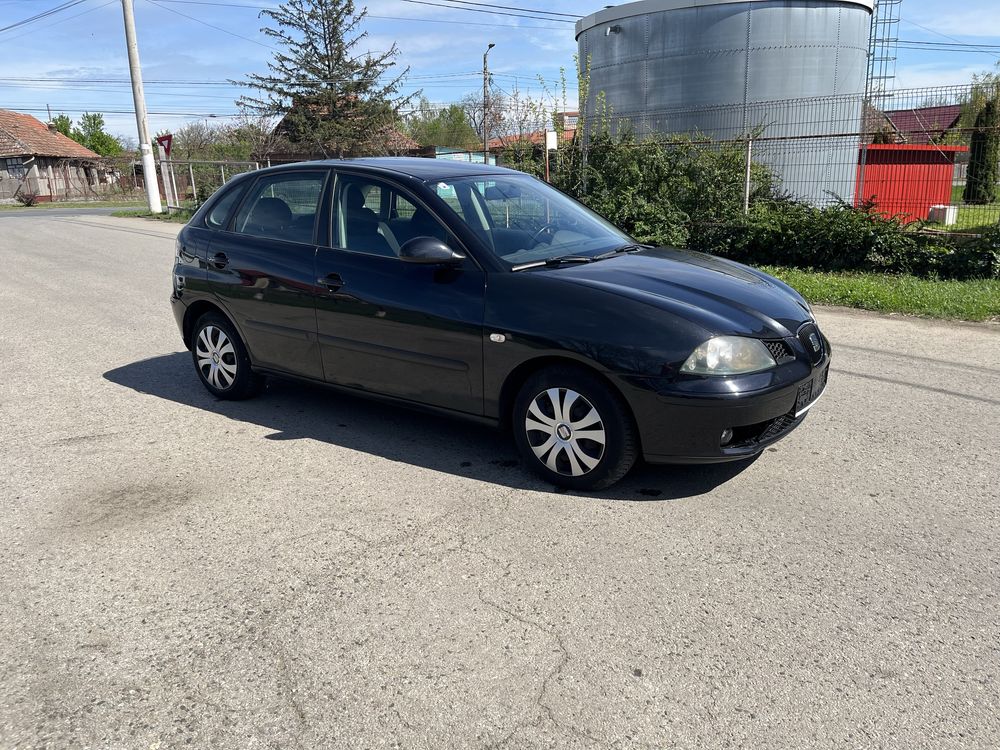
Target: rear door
point(403, 329)
point(262, 269)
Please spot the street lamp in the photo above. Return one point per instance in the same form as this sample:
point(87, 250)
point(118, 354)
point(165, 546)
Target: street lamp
point(486, 106)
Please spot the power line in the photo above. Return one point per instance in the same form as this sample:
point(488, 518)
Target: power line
point(213, 26)
point(374, 16)
point(61, 20)
point(44, 14)
point(940, 34)
point(483, 10)
point(512, 7)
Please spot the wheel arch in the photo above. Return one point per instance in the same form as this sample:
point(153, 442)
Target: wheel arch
point(520, 374)
point(194, 311)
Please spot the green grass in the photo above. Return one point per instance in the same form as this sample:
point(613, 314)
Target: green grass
point(960, 300)
point(970, 218)
point(70, 204)
point(177, 217)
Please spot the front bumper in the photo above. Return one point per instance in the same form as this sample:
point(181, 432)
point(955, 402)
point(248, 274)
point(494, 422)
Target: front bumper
point(679, 428)
point(179, 308)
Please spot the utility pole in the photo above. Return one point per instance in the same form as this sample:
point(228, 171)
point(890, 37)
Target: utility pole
point(146, 149)
point(486, 106)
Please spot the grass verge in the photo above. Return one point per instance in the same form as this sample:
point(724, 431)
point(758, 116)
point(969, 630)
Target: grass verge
point(177, 217)
point(960, 300)
point(70, 204)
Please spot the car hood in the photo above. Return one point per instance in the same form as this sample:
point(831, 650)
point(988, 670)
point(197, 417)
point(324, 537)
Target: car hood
point(722, 296)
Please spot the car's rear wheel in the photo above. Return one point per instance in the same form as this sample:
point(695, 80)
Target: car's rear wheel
point(574, 430)
point(221, 359)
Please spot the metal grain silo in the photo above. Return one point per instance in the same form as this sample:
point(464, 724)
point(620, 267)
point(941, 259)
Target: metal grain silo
point(793, 70)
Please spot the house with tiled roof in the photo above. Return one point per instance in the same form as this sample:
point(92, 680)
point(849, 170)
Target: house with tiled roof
point(36, 159)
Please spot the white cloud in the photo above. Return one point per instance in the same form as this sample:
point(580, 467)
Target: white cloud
point(929, 74)
point(968, 22)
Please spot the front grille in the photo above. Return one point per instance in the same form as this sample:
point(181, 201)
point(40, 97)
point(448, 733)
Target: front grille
point(777, 428)
point(779, 350)
point(763, 432)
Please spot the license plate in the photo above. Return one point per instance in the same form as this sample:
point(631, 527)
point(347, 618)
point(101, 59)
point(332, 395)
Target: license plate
point(809, 392)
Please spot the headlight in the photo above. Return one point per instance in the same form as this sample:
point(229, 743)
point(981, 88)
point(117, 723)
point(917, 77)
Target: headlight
point(729, 355)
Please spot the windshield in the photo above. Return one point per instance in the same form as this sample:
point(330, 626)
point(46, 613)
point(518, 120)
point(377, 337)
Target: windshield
point(523, 220)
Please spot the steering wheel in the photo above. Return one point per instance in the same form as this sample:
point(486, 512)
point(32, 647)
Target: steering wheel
point(550, 227)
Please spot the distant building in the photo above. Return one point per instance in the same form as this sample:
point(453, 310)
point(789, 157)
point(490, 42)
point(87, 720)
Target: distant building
point(39, 160)
point(923, 125)
point(568, 120)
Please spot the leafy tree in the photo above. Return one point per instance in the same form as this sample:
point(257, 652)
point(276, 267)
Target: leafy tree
point(447, 127)
point(63, 124)
point(91, 134)
point(332, 97)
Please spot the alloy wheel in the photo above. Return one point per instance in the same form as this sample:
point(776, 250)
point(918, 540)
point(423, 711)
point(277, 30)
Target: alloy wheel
point(216, 357)
point(565, 431)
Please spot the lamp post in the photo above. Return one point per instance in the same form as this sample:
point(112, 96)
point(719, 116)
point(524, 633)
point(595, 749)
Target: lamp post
point(486, 106)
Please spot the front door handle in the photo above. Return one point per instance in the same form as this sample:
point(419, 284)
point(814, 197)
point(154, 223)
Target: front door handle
point(331, 281)
point(220, 261)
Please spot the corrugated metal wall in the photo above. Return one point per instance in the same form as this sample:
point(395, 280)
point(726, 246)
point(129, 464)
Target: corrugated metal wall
point(720, 69)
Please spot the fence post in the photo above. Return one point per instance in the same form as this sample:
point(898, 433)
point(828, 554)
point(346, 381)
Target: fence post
point(222, 168)
point(746, 179)
point(194, 190)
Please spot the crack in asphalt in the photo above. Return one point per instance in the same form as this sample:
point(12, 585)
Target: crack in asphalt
point(545, 710)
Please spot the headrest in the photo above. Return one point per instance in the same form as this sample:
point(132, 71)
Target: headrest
point(272, 211)
point(354, 198)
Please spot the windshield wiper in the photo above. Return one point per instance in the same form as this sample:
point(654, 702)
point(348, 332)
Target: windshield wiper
point(553, 262)
point(631, 247)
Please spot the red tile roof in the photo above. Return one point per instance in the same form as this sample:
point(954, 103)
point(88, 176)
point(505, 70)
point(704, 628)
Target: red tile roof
point(23, 135)
point(922, 124)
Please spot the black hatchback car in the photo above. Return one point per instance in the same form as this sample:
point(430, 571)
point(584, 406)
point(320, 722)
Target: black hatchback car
point(486, 293)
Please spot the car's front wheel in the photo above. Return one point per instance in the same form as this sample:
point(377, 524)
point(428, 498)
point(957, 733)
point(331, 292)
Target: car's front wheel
point(221, 359)
point(573, 429)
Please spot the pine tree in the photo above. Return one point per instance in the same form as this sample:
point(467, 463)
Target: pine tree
point(981, 184)
point(332, 97)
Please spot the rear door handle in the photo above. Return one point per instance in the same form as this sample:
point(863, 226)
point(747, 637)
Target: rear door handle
point(331, 281)
point(220, 260)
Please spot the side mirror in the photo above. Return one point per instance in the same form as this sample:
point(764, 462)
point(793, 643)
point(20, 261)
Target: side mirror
point(429, 251)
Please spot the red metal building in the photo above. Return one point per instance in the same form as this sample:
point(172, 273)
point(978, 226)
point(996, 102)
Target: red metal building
point(905, 179)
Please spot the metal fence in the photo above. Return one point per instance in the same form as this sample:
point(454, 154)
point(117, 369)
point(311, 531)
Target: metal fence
point(905, 151)
point(189, 183)
point(44, 179)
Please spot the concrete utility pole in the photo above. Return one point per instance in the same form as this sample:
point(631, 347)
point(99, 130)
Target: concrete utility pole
point(148, 165)
point(486, 106)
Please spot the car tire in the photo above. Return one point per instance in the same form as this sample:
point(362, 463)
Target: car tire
point(221, 359)
point(564, 448)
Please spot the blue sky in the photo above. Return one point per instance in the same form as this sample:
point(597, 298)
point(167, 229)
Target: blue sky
point(87, 42)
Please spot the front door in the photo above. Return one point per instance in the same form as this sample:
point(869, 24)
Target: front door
point(392, 327)
point(263, 270)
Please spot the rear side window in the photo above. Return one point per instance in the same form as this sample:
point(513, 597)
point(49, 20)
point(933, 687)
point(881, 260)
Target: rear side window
point(282, 206)
point(218, 214)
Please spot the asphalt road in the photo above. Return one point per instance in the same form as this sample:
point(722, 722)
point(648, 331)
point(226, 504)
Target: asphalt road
point(311, 570)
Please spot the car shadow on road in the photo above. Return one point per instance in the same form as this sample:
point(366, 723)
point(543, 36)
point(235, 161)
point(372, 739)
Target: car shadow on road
point(295, 410)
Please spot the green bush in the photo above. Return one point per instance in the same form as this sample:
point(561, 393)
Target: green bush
point(843, 238)
point(678, 191)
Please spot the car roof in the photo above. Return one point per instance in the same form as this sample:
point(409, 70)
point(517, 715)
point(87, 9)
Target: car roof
point(425, 169)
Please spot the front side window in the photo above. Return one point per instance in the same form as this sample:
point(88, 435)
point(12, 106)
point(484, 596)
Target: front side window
point(523, 220)
point(282, 206)
point(376, 218)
